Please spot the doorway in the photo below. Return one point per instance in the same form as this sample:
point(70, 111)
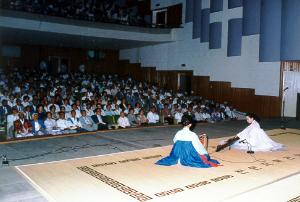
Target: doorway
point(184, 83)
point(298, 107)
point(59, 65)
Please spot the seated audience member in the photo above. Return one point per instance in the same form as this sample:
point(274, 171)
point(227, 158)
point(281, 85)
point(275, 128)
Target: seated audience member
point(117, 110)
point(142, 119)
point(53, 104)
point(132, 118)
point(12, 117)
point(41, 112)
point(230, 113)
point(22, 127)
point(53, 112)
point(98, 120)
point(152, 116)
point(76, 109)
point(51, 125)
point(123, 104)
point(166, 112)
point(87, 122)
point(19, 105)
point(63, 124)
point(198, 115)
point(5, 110)
point(38, 127)
point(67, 114)
point(66, 105)
point(74, 122)
point(10, 122)
point(89, 110)
point(137, 108)
point(123, 121)
point(216, 115)
point(108, 111)
point(28, 113)
point(176, 113)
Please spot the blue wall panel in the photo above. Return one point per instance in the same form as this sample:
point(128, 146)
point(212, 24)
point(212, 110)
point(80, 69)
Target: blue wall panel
point(251, 17)
point(205, 25)
point(216, 5)
point(197, 19)
point(234, 46)
point(290, 37)
point(270, 30)
point(189, 11)
point(235, 3)
point(215, 34)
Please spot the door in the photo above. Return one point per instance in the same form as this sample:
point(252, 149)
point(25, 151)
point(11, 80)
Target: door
point(184, 83)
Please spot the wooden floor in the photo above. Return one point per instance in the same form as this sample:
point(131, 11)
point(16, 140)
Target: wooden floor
point(133, 176)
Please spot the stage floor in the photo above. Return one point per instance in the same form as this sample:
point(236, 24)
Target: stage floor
point(133, 176)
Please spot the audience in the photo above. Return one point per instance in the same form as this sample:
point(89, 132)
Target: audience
point(51, 105)
point(110, 11)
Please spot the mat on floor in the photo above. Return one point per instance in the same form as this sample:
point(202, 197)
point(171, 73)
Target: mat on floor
point(133, 176)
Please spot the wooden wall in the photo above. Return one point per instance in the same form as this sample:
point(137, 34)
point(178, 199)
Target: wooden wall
point(243, 99)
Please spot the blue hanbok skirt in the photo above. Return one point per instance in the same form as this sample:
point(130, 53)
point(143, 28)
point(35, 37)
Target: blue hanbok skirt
point(185, 153)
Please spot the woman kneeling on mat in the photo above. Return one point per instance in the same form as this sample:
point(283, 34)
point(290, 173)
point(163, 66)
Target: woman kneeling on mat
point(187, 149)
point(252, 138)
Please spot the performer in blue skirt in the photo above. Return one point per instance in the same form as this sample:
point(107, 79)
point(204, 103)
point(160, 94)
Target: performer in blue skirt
point(187, 149)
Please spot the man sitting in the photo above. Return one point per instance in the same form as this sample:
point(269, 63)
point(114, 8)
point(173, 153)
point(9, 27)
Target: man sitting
point(63, 125)
point(51, 126)
point(123, 121)
point(38, 127)
point(132, 118)
point(97, 119)
point(152, 116)
point(74, 122)
point(87, 122)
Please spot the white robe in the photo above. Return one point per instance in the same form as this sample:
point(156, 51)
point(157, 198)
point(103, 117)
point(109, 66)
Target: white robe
point(256, 140)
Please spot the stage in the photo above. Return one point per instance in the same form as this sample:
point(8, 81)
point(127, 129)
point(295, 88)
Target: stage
point(133, 176)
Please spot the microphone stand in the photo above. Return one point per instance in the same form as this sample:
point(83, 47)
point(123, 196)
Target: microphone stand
point(249, 148)
point(282, 125)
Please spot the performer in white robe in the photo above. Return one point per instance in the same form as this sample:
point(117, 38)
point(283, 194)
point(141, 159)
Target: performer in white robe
point(252, 138)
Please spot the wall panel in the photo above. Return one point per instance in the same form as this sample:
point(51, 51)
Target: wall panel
point(251, 17)
point(270, 32)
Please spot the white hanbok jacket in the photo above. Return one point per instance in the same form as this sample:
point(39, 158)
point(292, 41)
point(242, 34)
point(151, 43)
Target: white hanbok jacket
point(254, 138)
point(186, 135)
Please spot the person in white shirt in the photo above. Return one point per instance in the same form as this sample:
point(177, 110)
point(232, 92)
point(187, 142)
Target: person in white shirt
point(188, 149)
point(51, 126)
point(123, 121)
point(152, 116)
point(77, 110)
point(12, 117)
point(63, 125)
point(74, 122)
point(67, 106)
point(89, 110)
